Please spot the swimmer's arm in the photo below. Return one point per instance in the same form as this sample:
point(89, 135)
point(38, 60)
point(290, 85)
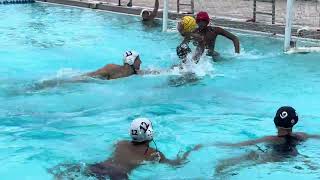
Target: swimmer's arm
point(247, 143)
point(180, 159)
point(305, 136)
point(198, 53)
point(314, 136)
point(196, 37)
point(155, 10)
point(147, 72)
point(230, 36)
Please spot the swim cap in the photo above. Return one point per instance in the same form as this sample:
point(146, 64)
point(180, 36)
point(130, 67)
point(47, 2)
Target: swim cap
point(141, 130)
point(129, 57)
point(183, 50)
point(145, 10)
point(202, 16)
point(286, 117)
point(188, 24)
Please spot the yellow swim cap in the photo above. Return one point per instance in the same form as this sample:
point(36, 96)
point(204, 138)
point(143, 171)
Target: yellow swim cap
point(188, 24)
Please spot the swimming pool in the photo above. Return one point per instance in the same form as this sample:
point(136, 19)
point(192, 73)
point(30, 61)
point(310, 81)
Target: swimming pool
point(234, 100)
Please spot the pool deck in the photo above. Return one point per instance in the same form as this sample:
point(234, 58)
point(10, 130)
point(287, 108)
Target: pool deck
point(227, 13)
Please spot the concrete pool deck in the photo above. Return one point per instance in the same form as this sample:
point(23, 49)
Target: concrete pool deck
point(227, 13)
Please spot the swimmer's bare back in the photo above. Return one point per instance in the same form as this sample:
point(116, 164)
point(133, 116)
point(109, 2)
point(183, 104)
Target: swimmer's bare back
point(111, 71)
point(128, 156)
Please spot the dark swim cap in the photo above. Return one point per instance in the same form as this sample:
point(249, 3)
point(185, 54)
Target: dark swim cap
point(286, 117)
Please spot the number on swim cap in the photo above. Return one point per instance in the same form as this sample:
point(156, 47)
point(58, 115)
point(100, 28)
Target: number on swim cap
point(145, 129)
point(128, 53)
point(283, 115)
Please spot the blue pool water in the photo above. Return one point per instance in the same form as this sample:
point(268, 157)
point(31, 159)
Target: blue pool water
point(234, 99)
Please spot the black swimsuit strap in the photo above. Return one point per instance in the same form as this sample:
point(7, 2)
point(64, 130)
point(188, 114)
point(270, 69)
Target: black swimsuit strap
point(145, 152)
point(134, 70)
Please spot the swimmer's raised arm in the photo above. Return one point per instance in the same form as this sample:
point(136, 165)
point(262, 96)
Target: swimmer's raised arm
point(155, 10)
point(247, 143)
point(230, 36)
point(180, 159)
point(147, 15)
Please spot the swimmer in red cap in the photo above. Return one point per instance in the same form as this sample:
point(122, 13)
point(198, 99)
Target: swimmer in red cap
point(210, 35)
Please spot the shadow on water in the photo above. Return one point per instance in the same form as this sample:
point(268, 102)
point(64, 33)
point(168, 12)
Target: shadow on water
point(188, 78)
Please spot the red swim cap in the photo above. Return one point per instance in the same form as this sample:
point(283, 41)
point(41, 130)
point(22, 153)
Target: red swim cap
point(202, 16)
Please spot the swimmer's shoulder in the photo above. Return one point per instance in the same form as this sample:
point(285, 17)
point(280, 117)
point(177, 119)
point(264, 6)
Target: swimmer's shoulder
point(273, 139)
point(124, 143)
point(301, 136)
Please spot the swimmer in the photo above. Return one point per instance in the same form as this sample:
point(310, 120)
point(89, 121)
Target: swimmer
point(278, 148)
point(129, 155)
point(210, 34)
point(131, 66)
point(150, 15)
point(186, 28)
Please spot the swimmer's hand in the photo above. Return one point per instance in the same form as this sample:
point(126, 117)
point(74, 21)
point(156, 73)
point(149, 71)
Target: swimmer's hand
point(247, 143)
point(212, 53)
point(180, 160)
point(156, 157)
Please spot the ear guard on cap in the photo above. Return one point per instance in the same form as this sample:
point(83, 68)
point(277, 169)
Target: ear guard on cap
point(129, 57)
point(286, 117)
point(141, 130)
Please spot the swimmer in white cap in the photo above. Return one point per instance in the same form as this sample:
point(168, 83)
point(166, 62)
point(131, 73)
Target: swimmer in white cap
point(150, 15)
point(131, 66)
point(129, 155)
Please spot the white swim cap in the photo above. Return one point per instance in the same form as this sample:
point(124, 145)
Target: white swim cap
point(129, 57)
point(141, 130)
point(145, 10)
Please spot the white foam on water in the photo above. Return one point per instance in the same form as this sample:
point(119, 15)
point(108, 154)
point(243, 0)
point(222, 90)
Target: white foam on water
point(64, 74)
point(252, 55)
point(201, 69)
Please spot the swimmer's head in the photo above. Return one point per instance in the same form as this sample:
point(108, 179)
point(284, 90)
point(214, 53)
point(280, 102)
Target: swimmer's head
point(132, 58)
point(202, 19)
point(286, 117)
point(145, 14)
point(141, 130)
point(187, 25)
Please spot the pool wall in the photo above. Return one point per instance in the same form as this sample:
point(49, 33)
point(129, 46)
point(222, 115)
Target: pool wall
point(231, 23)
